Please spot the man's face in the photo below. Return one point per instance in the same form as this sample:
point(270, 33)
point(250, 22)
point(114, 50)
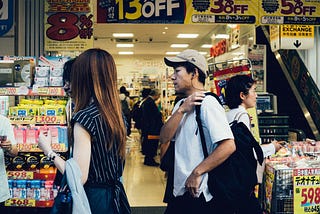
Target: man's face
point(181, 80)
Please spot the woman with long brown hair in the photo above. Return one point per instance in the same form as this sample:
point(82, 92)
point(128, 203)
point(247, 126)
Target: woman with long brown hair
point(99, 132)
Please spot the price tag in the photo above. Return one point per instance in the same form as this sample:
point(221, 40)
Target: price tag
point(50, 119)
point(306, 190)
point(20, 175)
point(17, 202)
point(27, 147)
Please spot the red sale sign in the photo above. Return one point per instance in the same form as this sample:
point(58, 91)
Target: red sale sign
point(68, 26)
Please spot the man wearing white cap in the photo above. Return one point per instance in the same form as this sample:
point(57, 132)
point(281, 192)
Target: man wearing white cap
point(190, 193)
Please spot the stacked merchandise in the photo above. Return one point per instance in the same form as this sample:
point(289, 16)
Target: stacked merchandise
point(32, 97)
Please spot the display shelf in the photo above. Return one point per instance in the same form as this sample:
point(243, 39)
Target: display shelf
point(35, 91)
point(31, 189)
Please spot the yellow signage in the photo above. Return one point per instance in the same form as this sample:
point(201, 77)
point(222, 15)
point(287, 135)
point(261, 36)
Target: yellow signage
point(296, 37)
point(234, 11)
point(306, 190)
point(289, 12)
point(300, 31)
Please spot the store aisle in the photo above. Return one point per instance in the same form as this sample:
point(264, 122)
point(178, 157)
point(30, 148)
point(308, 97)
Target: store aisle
point(144, 185)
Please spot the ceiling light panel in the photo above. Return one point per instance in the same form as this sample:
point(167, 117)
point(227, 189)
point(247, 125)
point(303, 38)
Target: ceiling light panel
point(222, 36)
point(125, 45)
point(125, 52)
point(206, 46)
point(172, 53)
point(187, 36)
point(122, 35)
point(179, 45)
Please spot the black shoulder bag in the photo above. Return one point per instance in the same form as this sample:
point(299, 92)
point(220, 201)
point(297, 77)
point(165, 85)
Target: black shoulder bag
point(63, 201)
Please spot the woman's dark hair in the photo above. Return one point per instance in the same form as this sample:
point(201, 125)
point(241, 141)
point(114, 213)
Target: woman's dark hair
point(66, 75)
point(236, 85)
point(123, 90)
point(145, 92)
point(94, 77)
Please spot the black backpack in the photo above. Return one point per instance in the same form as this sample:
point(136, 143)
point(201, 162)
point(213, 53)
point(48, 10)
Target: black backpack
point(234, 180)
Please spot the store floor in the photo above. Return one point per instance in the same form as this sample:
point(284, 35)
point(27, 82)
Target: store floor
point(144, 185)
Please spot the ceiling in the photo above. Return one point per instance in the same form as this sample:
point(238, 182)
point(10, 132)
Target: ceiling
point(149, 38)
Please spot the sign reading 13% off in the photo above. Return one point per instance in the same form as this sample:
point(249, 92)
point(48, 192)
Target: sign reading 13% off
point(306, 190)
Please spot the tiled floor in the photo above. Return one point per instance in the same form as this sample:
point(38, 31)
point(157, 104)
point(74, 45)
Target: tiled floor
point(144, 185)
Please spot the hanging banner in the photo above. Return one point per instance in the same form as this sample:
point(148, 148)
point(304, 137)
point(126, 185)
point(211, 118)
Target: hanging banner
point(139, 12)
point(68, 26)
point(177, 11)
point(6, 16)
point(304, 12)
point(228, 12)
point(306, 190)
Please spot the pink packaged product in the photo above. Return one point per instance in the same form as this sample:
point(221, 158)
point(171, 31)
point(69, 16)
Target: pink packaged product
point(20, 134)
point(54, 134)
point(31, 135)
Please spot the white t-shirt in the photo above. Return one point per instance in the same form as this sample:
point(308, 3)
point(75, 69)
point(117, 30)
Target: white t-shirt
point(188, 149)
point(5, 130)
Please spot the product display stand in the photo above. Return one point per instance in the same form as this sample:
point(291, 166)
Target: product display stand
point(31, 174)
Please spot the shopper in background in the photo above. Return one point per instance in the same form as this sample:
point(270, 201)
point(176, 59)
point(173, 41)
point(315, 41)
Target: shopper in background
point(7, 147)
point(190, 193)
point(151, 125)
point(240, 95)
point(99, 132)
point(125, 106)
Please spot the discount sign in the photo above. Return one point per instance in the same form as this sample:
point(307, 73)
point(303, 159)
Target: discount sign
point(306, 190)
point(68, 26)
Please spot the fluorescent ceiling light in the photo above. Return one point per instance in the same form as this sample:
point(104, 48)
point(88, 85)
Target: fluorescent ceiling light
point(222, 36)
point(172, 53)
point(187, 36)
point(125, 53)
point(179, 45)
point(122, 35)
point(232, 25)
point(206, 46)
point(125, 45)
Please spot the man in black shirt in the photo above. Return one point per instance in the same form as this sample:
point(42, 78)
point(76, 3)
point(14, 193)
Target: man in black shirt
point(151, 125)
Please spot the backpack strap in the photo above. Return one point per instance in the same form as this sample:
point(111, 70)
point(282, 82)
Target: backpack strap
point(203, 140)
point(239, 115)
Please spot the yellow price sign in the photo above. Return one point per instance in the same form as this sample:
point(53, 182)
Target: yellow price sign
point(306, 190)
point(20, 175)
point(17, 202)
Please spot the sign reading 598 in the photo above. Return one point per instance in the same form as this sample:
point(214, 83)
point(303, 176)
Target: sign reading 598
point(143, 11)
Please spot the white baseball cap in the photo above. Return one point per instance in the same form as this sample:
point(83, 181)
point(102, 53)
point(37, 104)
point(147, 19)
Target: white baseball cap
point(189, 55)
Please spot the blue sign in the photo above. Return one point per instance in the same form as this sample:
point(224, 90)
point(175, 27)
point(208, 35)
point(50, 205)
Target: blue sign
point(6, 16)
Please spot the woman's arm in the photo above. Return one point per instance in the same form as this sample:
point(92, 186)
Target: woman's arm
point(82, 150)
